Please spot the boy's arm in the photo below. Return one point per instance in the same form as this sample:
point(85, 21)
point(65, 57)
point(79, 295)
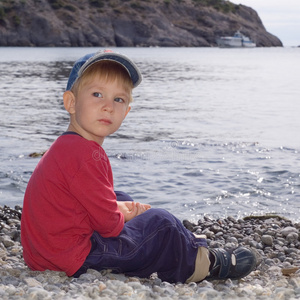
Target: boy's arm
point(132, 209)
point(92, 187)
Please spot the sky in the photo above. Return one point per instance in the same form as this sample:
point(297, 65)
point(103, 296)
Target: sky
point(280, 17)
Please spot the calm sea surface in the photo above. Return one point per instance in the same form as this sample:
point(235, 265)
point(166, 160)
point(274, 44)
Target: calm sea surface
point(211, 131)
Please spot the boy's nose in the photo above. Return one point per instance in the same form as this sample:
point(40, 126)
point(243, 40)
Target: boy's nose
point(108, 106)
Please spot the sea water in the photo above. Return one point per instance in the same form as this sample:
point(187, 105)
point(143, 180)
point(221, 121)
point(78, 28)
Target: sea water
point(211, 131)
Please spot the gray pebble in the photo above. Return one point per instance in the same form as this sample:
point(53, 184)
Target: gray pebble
point(285, 231)
point(267, 240)
point(291, 237)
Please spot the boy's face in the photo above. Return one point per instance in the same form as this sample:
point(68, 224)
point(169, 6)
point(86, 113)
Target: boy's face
point(98, 109)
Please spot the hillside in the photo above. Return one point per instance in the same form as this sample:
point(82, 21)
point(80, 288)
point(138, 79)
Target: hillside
point(130, 23)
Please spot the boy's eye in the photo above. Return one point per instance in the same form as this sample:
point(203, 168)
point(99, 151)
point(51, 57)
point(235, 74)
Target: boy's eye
point(99, 95)
point(120, 100)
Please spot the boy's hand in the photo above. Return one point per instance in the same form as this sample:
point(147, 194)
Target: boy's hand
point(132, 209)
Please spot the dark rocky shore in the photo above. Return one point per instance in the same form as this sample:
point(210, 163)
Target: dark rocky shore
point(127, 23)
point(274, 239)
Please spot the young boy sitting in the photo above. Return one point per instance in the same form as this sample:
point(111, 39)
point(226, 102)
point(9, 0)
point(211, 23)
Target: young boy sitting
point(72, 218)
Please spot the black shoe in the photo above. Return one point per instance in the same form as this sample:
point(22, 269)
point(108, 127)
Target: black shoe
point(233, 264)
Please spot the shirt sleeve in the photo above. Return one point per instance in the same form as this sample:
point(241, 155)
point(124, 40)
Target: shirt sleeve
point(92, 186)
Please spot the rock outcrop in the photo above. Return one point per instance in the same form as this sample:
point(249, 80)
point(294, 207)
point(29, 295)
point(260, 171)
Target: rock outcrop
point(130, 23)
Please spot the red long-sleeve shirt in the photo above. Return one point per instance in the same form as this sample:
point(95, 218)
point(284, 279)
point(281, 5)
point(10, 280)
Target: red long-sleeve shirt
point(69, 196)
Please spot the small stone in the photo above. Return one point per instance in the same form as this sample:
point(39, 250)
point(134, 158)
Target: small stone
point(260, 246)
point(267, 240)
point(270, 232)
point(291, 237)
point(295, 281)
point(230, 245)
point(289, 260)
point(258, 231)
point(190, 226)
point(215, 228)
point(238, 236)
point(215, 244)
point(232, 240)
point(37, 293)
point(253, 244)
point(247, 240)
point(289, 271)
point(198, 231)
point(7, 242)
point(32, 282)
point(297, 290)
point(269, 262)
point(219, 234)
point(283, 293)
point(285, 231)
point(208, 233)
point(281, 257)
point(231, 219)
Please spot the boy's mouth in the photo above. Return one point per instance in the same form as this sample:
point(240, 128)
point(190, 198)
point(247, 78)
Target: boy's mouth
point(105, 121)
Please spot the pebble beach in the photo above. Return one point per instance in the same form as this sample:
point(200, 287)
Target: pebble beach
point(275, 241)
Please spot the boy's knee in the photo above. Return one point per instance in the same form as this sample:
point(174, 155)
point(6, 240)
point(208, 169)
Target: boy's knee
point(161, 218)
point(159, 215)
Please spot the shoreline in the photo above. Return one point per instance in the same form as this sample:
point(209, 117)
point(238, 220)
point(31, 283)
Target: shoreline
point(275, 240)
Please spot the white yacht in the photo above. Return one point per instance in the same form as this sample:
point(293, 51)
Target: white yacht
point(237, 41)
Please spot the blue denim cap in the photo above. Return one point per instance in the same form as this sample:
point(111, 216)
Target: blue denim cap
point(86, 61)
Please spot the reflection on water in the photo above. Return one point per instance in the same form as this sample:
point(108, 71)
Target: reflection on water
point(33, 99)
point(211, 178)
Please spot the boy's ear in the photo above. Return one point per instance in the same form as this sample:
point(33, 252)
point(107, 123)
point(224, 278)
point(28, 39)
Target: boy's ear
point(69, 102)
point(128, 110)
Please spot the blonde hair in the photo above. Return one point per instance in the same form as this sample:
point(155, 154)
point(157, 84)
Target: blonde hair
point(108, 71)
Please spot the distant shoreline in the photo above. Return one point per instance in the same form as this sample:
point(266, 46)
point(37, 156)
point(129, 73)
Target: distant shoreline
point(127, 23)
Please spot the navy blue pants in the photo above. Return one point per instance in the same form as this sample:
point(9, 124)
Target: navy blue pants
point(154, 241)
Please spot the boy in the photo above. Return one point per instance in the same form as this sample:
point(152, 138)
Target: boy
point(72, 218)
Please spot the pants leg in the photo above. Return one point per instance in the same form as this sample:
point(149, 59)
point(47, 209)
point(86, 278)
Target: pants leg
point(121, 196)
point(201, 266)
point(154, 241)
